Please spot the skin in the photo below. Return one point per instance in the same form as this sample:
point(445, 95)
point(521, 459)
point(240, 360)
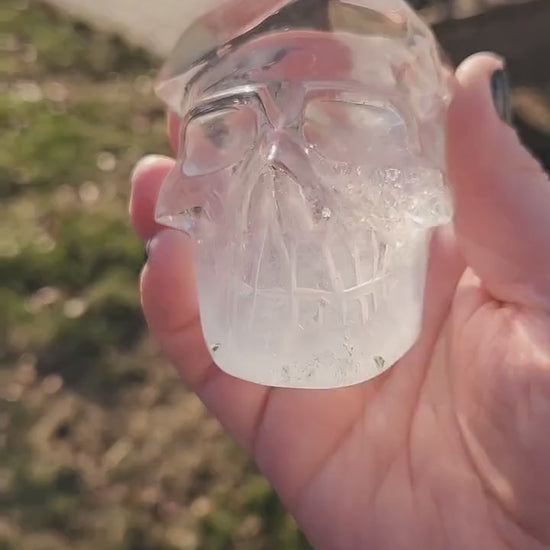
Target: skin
point(448, 449)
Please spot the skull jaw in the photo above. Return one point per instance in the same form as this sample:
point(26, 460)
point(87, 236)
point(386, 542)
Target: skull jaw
point(334, 344)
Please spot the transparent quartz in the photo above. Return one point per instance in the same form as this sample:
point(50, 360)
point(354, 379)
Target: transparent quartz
point(310, 176)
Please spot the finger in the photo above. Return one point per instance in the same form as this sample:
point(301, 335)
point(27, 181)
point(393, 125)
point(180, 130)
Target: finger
point(445, 269)
point(174, 127)
point(171, 307)
point(147, 179)
point(502, 195)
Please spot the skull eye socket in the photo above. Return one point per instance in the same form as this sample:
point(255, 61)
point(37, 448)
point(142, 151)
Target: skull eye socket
point(352, 132)
point(217, 140)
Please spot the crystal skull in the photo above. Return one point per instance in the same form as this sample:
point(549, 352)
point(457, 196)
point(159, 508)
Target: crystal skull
point(310, 176)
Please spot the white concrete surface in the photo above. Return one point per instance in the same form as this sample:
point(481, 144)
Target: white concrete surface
point(153, 24)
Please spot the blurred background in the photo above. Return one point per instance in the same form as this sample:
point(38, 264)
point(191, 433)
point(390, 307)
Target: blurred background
point(100, 445)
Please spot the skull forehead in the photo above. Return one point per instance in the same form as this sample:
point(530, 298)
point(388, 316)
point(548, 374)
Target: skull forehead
point(305, 56)
point(225, 29)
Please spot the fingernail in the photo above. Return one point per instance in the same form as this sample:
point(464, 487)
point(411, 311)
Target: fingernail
point(500, 88)
point(148, 245)
point(145, 162)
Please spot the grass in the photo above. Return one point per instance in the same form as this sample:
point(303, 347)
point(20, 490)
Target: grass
point(100, 446)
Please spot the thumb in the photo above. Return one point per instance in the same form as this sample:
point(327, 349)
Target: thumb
point(502, 194)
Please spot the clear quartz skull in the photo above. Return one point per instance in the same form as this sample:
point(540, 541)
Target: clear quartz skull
point(310, 176)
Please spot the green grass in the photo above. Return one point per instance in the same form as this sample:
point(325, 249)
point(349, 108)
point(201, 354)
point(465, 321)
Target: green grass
point(100, 446)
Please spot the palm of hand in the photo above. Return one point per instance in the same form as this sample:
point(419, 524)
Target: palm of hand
point(443, 450)
point(446, 449)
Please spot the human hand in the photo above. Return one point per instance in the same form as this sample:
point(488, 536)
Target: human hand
point(449, 448)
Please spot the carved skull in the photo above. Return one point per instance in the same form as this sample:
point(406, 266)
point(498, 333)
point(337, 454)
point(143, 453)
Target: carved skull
point(310, 176)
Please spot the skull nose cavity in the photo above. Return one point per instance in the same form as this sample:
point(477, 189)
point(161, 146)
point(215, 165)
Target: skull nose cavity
point(282, 153)
point(282, 166)
point(272, 152)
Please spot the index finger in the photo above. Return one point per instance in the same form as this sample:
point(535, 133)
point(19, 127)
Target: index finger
point(174, 129)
